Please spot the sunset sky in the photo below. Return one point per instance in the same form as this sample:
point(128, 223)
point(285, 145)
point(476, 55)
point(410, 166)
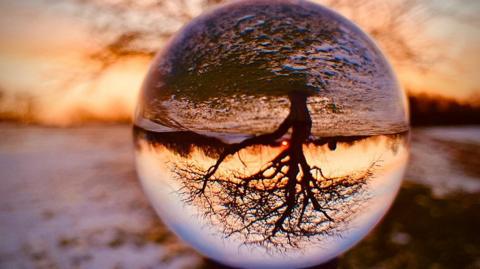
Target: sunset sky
point(63, 62)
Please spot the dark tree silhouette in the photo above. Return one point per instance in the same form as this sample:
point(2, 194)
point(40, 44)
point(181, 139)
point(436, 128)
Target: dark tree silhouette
point(436, 110)
point(283, 203)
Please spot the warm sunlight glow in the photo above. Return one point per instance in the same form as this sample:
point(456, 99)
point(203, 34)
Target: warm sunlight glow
point(61, 68)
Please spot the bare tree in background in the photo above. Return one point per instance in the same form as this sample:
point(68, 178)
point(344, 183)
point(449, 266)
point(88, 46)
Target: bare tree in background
point(124, 30)
point(127, 36)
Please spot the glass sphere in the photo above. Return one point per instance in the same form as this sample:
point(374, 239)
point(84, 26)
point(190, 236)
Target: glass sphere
point(271, 134)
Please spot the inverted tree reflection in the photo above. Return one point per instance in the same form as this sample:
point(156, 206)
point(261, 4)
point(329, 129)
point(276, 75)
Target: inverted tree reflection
point(284, 202)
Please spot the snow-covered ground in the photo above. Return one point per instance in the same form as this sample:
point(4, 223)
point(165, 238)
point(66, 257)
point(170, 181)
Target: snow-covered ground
point(447, 159)
point(69, 198)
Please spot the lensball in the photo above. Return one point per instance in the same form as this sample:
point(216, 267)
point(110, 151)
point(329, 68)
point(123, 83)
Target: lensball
point(271, 134)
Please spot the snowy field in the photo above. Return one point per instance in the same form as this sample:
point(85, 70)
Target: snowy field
point(69, 198)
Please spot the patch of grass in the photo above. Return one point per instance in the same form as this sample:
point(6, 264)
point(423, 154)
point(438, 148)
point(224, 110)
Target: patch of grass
point(438, 233)
point(65, 242)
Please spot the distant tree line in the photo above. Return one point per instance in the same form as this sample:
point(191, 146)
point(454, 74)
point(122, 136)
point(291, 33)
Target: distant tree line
point(428, 110)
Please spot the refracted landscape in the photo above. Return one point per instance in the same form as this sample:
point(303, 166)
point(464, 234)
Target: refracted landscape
point(309, 200)
point(71, 198)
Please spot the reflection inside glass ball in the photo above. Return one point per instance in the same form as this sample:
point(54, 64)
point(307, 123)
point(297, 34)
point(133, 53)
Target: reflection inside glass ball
point(271, 134)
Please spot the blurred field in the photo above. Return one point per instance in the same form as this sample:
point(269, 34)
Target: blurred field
point(69, 198)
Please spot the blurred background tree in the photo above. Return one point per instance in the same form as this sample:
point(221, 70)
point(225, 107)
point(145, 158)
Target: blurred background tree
point(73, 61)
